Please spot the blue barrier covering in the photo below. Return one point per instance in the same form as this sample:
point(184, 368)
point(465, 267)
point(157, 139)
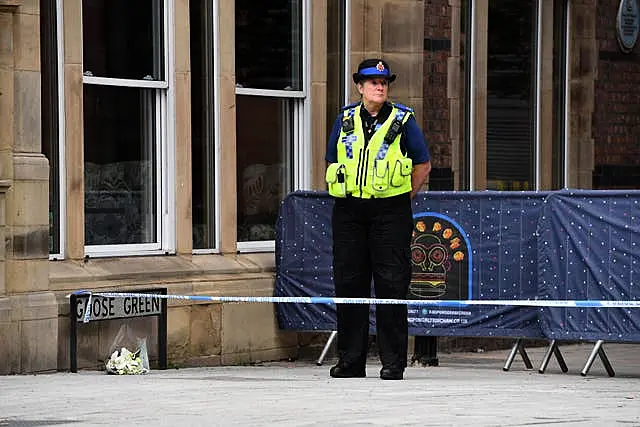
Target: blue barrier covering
point(467, 245)
point(589, 248)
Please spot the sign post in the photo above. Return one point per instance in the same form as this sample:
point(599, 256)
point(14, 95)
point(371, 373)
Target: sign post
point(109, 308)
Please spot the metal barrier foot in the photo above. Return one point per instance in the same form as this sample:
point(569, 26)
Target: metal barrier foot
point(326, 348)
point(518, 347)
point(553, 349)
point(598, 351)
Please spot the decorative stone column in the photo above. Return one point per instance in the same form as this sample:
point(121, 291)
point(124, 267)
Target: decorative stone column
point(28, 310)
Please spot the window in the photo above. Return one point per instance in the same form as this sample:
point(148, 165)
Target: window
point(511, 95)
point(269, 45)
point(263, 163)
point(51, 111)
point(514, 72)
point(203, 141)
point(120, 177)
point(272, 156)
point(126, 171)
point(123, 40)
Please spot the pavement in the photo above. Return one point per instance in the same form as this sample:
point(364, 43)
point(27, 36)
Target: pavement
point(467, 389)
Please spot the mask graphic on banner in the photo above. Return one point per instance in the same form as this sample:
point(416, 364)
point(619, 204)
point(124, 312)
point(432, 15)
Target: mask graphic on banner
point(440, 259)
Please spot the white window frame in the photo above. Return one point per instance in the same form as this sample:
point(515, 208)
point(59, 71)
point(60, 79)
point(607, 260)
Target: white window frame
point(164, 150)
point(301, 116)
point(62, 191)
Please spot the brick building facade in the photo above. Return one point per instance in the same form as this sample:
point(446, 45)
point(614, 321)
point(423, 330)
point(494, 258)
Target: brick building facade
point(601, 94)
point(616, 117)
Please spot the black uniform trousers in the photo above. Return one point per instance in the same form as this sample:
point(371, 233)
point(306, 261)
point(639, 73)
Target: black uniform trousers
point(371, 239)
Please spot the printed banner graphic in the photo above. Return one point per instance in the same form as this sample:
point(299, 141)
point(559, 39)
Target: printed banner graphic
point(465, 246)
point(440, 259)
point(441, 269)
point(569, 245)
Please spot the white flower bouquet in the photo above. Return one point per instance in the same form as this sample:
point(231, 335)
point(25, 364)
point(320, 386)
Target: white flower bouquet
point(125, 362)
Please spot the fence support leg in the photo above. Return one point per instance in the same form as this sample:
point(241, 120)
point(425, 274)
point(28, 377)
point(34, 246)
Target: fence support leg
point(553, 349)
point(547, 356)
point(326, 348)
point(598, 351)
point(518, 347)
point(560, 359)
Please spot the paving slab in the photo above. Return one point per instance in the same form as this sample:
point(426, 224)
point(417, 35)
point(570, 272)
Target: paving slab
point(467, 389)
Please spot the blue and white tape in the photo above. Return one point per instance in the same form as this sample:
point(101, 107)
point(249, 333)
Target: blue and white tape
point(338, 300)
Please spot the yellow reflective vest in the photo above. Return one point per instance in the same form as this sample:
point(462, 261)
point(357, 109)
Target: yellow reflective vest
point(378, 169)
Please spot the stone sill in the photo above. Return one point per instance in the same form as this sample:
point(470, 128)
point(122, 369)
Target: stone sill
point(10, 5)
point(129, 271)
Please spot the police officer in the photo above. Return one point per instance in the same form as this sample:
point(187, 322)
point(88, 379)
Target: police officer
point(377, 161)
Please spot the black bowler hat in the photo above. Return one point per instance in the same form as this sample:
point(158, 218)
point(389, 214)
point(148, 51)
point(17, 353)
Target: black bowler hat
point(371, 69)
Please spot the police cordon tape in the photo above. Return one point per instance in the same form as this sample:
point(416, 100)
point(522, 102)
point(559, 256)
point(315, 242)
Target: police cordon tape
point(339, 300)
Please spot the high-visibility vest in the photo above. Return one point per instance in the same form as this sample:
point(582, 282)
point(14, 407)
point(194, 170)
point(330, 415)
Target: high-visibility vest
point(378, 169)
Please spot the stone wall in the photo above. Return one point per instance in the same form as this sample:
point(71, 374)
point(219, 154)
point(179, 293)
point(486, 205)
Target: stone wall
point(28, 310)
point(198, 333)
point(393, 30)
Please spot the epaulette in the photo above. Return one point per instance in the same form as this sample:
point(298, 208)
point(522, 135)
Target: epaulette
point(403, 107)
point(346, 107)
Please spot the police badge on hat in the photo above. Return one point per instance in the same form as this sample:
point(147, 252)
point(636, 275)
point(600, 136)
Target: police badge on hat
point(373, 68)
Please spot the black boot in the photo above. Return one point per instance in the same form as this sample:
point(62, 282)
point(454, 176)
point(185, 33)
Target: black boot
point(391, 373)
point(341, 370)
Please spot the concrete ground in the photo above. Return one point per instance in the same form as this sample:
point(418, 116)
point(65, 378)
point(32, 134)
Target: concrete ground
point(467, 389)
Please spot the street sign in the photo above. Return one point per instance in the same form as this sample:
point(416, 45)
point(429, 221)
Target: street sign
point(105, 308)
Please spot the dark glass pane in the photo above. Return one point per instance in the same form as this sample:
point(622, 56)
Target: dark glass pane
point(119, 165)
point(464, 110)
point(264, 176)
point(511, 95)
point(269, 44)
point(123, 39)
point(202, 125)
point(616, 177)
point(559, 92)
point(335, 59)
point(50, 114)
